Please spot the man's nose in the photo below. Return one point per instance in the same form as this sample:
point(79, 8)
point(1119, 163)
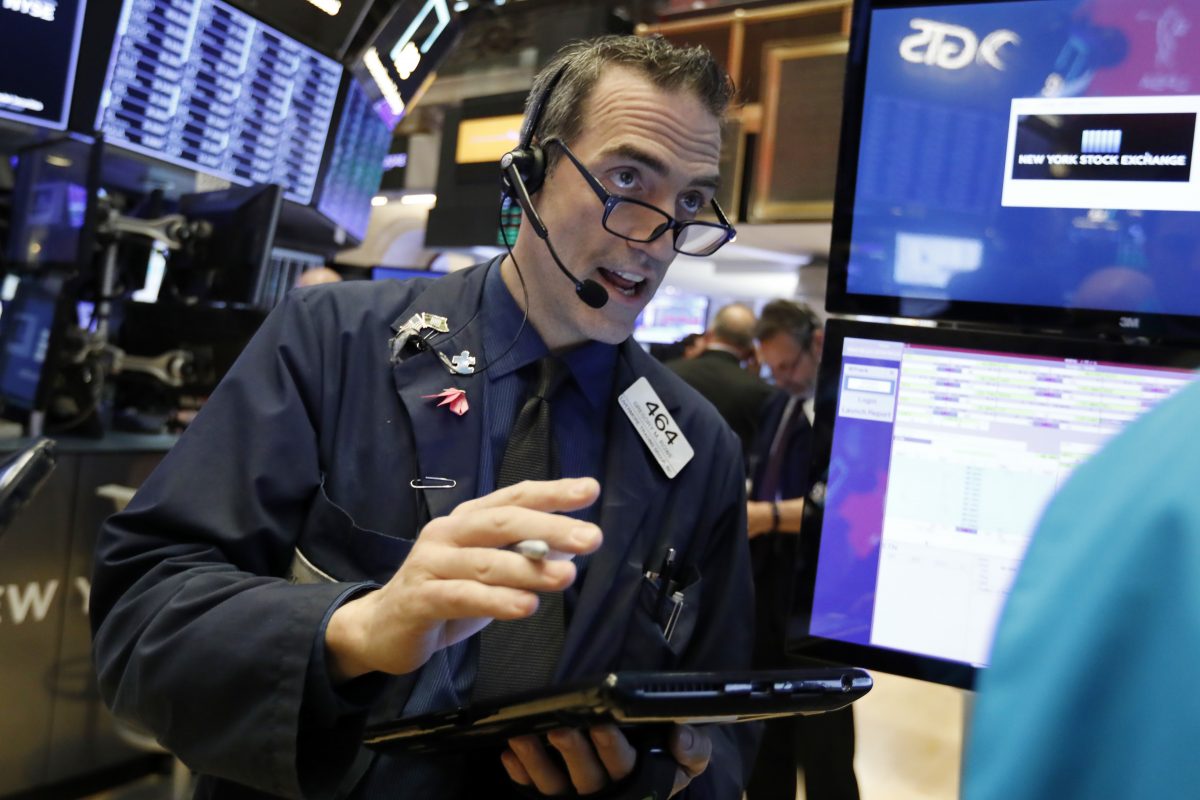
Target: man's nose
point(660, 251)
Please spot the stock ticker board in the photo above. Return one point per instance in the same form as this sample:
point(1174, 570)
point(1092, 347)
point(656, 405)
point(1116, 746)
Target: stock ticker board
point(205, 86)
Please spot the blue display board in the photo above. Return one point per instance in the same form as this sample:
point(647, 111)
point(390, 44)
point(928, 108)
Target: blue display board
point(40, 43)
point(200, 84)
point(355, 165)
point(1022, 161)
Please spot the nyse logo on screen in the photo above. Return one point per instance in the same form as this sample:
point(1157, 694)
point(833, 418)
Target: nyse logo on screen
point(940, 44)
point(38, 9)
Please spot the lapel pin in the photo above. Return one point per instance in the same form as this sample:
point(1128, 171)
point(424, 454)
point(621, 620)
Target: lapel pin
point(463, 363)
point(456, 399)
point(415, 334)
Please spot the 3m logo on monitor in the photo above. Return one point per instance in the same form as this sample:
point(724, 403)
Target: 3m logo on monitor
point(1104, 142)
point(940, 44)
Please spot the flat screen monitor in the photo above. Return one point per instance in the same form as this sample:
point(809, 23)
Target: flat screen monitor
point(938, 450)
point(1028, 161)
point(671, 315)
point(326, 25)
point(54, 197)
point(40, 43)
point(30, 327)
point(230, 264)
point(401, 274)
point(355, 166)
point(205, 86)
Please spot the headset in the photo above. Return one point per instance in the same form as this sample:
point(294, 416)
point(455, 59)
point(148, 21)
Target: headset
point(522, 172)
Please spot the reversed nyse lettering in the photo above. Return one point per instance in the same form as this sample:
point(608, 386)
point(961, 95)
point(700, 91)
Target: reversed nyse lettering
point(204, 85)
point(31, 602)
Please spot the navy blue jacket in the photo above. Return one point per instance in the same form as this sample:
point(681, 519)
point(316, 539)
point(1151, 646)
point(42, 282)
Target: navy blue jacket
point(304, 455)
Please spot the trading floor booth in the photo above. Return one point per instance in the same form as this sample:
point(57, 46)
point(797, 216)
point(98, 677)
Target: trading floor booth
point(1017, 194)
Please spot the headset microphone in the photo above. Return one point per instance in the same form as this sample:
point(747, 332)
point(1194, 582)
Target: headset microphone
point(590, 292)
point(522, 171)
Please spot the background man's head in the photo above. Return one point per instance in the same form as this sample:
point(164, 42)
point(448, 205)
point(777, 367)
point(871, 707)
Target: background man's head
point(643, 117)
point(733, 326)
point(790, 336)
point(317, 275)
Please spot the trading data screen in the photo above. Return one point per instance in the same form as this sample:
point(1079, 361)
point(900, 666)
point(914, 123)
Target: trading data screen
point(356, 163)
point(205, 86)
point(942, 462)
point(40, 43)
point(1031, 153)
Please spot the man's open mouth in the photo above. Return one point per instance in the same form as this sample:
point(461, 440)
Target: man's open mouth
point(627, 283)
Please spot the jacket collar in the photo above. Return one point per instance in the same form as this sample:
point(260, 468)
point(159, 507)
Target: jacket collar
point(439, 434)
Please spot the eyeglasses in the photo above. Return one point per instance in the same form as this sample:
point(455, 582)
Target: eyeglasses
point(636, 221)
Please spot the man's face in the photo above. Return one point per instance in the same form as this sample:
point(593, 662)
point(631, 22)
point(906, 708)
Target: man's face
point(793, 367)
point(642, 142)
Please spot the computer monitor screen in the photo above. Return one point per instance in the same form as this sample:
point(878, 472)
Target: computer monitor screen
point(401, 274)
point(670, 316)
point(52, 201)
point(326, 25)
point(202, 85)
point(1027, 160)
point(29, 327)
point(939, 449)
point(229, 264)
point(355, 165)
point(40, 43)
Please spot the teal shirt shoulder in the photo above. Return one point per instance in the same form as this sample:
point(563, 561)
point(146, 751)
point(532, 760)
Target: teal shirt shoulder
point(1092, 692)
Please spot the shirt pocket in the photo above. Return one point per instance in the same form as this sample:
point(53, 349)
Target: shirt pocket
point(662, 626)
point(333, 547)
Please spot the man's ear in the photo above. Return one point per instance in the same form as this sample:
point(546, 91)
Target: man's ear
point(818, 342)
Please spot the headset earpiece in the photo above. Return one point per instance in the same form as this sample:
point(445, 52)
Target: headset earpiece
point(531, 166)
point(528, 158)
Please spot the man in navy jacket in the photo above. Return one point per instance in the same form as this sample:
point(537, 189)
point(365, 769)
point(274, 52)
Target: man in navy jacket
point(324, 543)
point(790, 337)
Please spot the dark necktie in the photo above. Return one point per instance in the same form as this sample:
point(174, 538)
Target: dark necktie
point(768, 487)
point(516, 655)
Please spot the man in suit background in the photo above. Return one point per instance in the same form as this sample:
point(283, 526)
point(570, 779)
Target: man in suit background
point(790, 337)
point(717, 372)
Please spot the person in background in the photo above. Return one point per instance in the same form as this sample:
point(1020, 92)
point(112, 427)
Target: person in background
point(717, 373)
point(790, 337)
point(316, 276)
point(1088, 693)
point(331, 542)
point(692, 345)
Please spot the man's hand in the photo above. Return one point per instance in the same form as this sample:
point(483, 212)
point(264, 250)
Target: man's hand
point(594, 760)
point(456, 579)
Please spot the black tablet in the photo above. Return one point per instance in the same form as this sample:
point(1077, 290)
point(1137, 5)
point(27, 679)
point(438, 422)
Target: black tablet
point(629, 699)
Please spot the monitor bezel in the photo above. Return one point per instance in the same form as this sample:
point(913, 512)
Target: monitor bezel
point(68, 95)
point(1165, 328)
point(907, 664)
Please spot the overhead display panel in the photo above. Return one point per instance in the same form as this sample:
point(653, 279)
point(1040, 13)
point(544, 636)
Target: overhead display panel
point(355, 165)
point(203, 85)
point(40, 43)
point(326, 25)
point(406, 51)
